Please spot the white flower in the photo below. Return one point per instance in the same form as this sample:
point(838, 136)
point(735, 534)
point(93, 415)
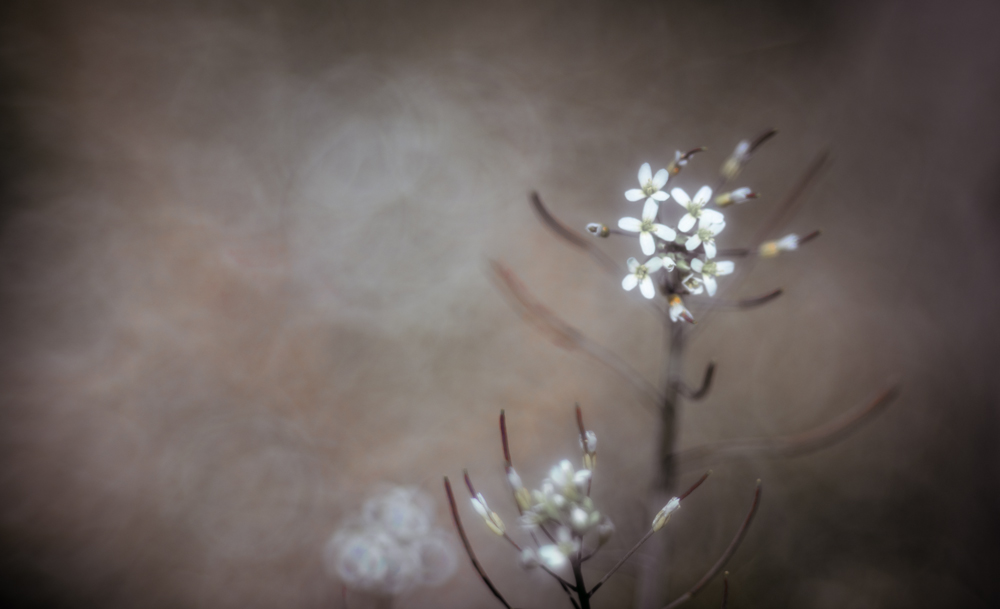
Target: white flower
point(528, 559)
point(521, 494)
point(554, 555)
point(664, 515)
point(740, 195)
point(649, 185)
point(567, 480)
point(705, 235)
point(647, 227)
point(770, 249)
point(734, 164)
point(693, 284)
point(695, 208)
point(490, 517)
point(639, 276)
point(710, 270)
point(604, 531)
point(678, 310)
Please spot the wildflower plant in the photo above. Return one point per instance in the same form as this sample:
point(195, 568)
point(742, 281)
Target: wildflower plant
point(686, 263)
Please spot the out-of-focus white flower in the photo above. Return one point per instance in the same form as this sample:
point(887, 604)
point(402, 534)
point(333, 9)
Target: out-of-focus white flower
point(705, 235)
point(710, 270)
point(604, 531)
point(734, 164)
point(770, 249)
point(740, 195)
point(664, 515)
point(649, 185)
point(678, 310)
point(680, 161)
point(528, 559)
point(598, 230)
point(554, 555)
point(647, 227)
point(393, 547)
point(490, 517)
point(588, 442)
point(696, 208)
point(639, 276)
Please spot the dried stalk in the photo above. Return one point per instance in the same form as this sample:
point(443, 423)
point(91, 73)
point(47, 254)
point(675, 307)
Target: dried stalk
point(790, 446)
point(733, 546)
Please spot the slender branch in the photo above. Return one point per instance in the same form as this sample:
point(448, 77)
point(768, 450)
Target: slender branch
point(581, 587)
point(790, 204)
point(725, 589)
point(789, 446)
point(565, 335)
point(644, 539)
point(706, 384)
point(743, 252)
point(733, 546)
point(575, 239)
point(746, 303)
point(468, 546)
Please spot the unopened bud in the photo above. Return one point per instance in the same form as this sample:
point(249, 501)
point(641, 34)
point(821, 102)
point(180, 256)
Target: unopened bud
point(734, 164)
point(740, 195)
point(664, 515)
point(588, 442)
point(521, 494)
point(491, 518)
point(598, 230)
point(770, 249)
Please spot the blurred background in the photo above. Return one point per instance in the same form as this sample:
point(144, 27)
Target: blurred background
point(244, 272)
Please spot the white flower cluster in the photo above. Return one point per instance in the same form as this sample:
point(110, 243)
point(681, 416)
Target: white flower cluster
point(561, 508)
point(691, 253)
point(393, 547)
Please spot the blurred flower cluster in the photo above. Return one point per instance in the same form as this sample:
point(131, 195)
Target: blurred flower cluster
point(393, 546)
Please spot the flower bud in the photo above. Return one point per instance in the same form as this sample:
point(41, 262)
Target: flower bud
point(588, 442)
point(664, 515)
point(598, 230)
point(491, 518)
point(740, 195)
point(734, 164)
point(770, 249)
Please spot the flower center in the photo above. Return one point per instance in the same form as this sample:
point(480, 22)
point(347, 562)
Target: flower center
point(648, 188)
point(705, 235)
point(641, 272)
point(646, 226)
point(709, 268)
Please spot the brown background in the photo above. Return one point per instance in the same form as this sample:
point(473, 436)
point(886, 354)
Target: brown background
point(244, 280)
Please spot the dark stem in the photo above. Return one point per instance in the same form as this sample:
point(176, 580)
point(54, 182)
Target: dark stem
point(581, 588)
point(706, 384)
point(733, 545)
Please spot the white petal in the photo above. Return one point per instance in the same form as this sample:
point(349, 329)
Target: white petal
point(660, 179)
point(681, 197)
point(654, 264)
point(724, 267)
point(711, 216)
point(632, 264)
point(659, 195)
point(629, 282)
point(647, 244)
point(693, 242)
point(668, 263)
point(635, 194)
point(649, 209)
point(742, 148)
point(686, 223)
point(552, 556)
point(788, 242)
point(664, 232)
point(630, 224)
point(710, 249)
point(645, 174)
point(710, 284)
point(703, 195)
point(647, 289)
point(479, 507)
point(697, 265)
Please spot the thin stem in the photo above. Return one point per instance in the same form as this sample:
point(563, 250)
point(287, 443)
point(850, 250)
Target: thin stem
point(789, 446)
point(725, 589)
point(572, 237)
point(581, 587)
point(733, 546)
point(503, 438)
point(745, 303)
point(706, 384)
point(468, 546)
point(565, 335)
